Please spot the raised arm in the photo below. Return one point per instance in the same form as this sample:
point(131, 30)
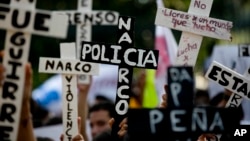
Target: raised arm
point(83, 90)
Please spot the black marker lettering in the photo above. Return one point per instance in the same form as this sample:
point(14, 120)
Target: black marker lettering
point(4, 136)
point(14, 70)
point(25, 22)
point(5, 1)
point(3, 9)
point(88, 18)
point(68, 78)
point(49, 64)
point(245, 51)
point(17, 39)
point(59, 65)
point(98, 18)
point(7, 111)
point(213, 73)
point(16, 55)
point(76, 66)
point(86, 68)
point(69, 16)
point(236, 81)
point(40, 20)
point(69, 109)
point(9, 89)
point(225, 82)
point(68, 66)
point(110, 17)
point(77, 18)
point(243, 89)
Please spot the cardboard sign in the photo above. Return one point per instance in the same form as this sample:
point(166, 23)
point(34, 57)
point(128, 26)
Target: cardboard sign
point(68, 66)
point(69, 95)
point(20, 20)
point(179, 124)
point(229, 79)
point(103, 17)
point(181, 86)
point(84, 18)
point(180, 121)
point(195, 25)
point(37, 22)
point(126, 57)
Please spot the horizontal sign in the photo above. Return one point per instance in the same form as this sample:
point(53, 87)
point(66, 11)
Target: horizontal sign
point(229, 79)
point(91, 17)
point(180, 86)
point(67, 66)
point(179, 123)
point(38, 22)
point(116, 54)
point(196, 24)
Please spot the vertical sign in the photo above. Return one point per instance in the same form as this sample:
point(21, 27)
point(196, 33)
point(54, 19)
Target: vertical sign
point(126, 57)
point(229, 79)
point(20, 23)
point(69, 95)
point(181, 86)
point(69, 67)
point(180, 121)
point(83, 33)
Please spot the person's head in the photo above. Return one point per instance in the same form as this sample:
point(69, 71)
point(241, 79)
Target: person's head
point(201, 98)
point(103, 136)
point(99, 116)
point(101, 98)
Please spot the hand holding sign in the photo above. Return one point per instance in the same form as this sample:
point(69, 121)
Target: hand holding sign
point(21, 20)
point(25, 129)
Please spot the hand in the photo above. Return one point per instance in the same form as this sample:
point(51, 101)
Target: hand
point(77, 137)
point(123, 126)
point(164, 98)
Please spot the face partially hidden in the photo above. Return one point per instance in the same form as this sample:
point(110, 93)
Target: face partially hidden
point(99, 122)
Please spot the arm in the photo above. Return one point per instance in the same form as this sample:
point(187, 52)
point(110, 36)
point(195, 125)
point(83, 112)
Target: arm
point(83, 90)
point(25, 131)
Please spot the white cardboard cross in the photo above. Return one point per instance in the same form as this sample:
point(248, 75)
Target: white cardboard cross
point(83, 24)
point(195, 25)
point(69, 67)
point(21, 20)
